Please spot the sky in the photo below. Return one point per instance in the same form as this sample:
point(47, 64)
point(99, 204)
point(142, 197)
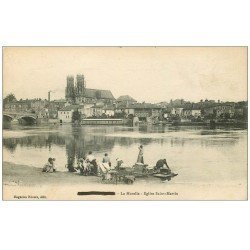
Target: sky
point(150, 74)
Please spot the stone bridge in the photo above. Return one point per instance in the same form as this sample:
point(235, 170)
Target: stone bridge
point(9, 116)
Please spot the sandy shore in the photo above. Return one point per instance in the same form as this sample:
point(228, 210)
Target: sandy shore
point(21, 175)
point(22, 182)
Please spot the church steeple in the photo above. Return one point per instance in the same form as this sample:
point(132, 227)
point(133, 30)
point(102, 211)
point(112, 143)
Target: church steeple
point(70, 89)
point(80, 85)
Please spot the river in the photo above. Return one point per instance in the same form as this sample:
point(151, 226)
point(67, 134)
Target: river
point(197, 154)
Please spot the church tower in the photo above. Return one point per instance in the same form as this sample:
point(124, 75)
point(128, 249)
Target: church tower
point(70, 89)
point(80, 88)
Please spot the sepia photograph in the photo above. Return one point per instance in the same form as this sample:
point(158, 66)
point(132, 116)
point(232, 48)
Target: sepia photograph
point(125, 123)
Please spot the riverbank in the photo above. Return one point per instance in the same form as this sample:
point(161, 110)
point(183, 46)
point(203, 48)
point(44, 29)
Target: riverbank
point(22, 175)
point(22, 182)
point(217, 124)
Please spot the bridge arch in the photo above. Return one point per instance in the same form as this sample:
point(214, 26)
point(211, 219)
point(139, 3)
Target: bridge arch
point(7, 117)
point(29, 119)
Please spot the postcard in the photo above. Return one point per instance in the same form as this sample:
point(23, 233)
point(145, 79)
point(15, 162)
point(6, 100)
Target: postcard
point(125, 123)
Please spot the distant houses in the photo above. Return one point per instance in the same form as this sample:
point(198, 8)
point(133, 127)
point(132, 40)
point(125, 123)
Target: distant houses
point(127, 107)
point(143, 110)
point(81, 102)
point(204, 110)
point(36, 106)
point(41, 107)
point(193, 112)
point(18, 106)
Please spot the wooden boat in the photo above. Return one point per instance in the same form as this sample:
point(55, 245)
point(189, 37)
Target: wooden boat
point(139, 170)
point(165, 177)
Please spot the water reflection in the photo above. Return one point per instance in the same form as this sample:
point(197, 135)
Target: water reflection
point(78, 140)
point(181, 146)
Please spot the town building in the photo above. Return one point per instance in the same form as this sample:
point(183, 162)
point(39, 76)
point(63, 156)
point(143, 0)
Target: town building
point(143, 110)
point(191, 113)
point(209, 111)
point(97, 109)
point(85, 111)
point(18, 106)
point(109, 110)
point(54, 106)
point(225, 110)
point(126, 99)
point(196, 113)
point(38, 104)
point(77, 93)
point(65, 115)
point(98, 95)
point(177, 111)
point(42, 113)
point(88, 110)
point(241, 110)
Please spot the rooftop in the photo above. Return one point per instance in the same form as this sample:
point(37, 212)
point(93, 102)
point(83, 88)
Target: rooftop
point(71, 107)
point(60, 100)
point(109, 107)
point(99, 94)
point(143, 106)
point(123, 98)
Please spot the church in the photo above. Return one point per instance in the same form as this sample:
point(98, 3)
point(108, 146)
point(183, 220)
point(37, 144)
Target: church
point(77, 93)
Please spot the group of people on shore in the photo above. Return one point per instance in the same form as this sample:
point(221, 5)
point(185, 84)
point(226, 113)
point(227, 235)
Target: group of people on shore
point(88, 164)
